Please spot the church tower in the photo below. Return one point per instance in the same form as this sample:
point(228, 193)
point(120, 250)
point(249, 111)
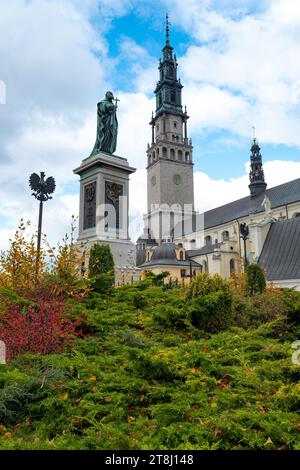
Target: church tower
point(170, 156)
point(257, 178)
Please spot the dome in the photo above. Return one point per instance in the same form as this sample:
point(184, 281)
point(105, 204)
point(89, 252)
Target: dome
point(166, 251)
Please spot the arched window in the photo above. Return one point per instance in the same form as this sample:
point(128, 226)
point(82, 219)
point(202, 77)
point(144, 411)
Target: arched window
point(181, 256)
point(297, 214)
point(148, 256)
point(180, 245)
point(180, 155)
point(157, 152)
point(153, 156)
point(225, 236)
point(187, 156)
point(149, 160)
point(232, 267)
point(175, 125)
point(172, 154)
point(208, 240)
point(164, 152)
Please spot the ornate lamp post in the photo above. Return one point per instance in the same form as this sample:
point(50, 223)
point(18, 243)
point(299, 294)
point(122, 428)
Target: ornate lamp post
point(244, 234)
point(191, 270)
point(42, 188)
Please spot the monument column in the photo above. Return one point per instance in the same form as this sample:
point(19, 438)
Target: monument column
point(104, 190)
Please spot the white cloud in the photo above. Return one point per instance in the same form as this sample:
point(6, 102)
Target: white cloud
point(134, 131)
point(242, 70)
point(248, 63)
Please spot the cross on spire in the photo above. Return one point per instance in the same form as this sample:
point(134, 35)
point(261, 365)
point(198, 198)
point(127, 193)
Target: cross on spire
point(167, 30)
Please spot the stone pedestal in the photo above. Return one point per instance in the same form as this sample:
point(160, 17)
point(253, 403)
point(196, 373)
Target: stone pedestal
point(104, 205)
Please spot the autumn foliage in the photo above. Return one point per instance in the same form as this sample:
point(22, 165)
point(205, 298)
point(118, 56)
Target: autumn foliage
point(58, 269)
point(35, 290)
point(42, 329)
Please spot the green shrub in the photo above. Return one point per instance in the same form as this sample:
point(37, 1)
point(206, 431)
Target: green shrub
point(255, 279)
point(171, 317)
point(103, 283)
point(101, 260)
point(252, 311)
point(156, 280)
point(291, 301)
point(210, 303)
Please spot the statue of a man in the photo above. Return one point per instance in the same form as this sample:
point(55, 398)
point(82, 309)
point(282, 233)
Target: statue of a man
point(107, 126)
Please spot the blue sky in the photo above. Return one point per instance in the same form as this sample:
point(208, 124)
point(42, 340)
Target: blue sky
point(238, 62)
point(218, 152)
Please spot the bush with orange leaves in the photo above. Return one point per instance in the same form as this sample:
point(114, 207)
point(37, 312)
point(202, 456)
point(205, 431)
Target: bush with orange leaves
point(54, 271)
point(35, 293)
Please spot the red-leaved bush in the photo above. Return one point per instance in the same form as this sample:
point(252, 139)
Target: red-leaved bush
point(43, 329)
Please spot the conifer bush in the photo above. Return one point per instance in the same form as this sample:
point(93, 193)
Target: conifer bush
point(101, 269)
point(101, 260)
point(255, 279)
point(210, 303)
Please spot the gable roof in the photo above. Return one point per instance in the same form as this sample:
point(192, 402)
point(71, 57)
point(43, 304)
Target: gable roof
point(205, 250)
point(280, 256)
point(281, 195)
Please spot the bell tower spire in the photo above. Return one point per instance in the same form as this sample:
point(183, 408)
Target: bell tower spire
point(170, 155)
point(257, 177)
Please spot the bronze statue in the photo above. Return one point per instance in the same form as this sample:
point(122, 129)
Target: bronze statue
point(107, 125)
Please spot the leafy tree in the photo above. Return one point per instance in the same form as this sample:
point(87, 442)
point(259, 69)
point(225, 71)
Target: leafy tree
point(255, 280)
point(59, 268)
point(101, 260)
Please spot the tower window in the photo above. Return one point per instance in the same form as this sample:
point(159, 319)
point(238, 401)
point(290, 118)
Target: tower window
point(172, 154)
point(175, 125)
point(232, 267)
point(180, 155)
point(173, 97)
point(164, 152)
point(225, 236)
point(187, 157)
point(208, 240)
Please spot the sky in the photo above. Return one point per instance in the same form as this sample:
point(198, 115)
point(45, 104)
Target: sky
point(239, 64)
